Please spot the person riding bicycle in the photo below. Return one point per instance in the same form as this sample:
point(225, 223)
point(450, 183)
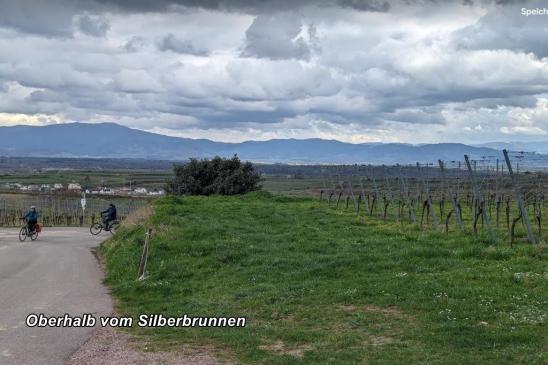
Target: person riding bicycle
point(32, 218)
point(109, 216)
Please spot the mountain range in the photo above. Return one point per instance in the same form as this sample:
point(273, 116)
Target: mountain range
point(109, 140)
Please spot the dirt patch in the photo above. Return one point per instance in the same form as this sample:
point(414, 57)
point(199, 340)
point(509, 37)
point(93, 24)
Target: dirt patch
point(280, 348)
point(108, 346)
point(387, 311)
point(382, 340)
point(138, 216)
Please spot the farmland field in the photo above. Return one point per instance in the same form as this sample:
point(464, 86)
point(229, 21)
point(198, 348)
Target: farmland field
point(60, 210)
point(111, 178)
point(63, 208)
point(320, 284)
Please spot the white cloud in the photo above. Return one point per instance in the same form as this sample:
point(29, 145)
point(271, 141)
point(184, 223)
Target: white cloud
point(354, 71)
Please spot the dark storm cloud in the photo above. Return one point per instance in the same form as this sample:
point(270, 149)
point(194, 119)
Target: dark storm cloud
point(54, 18)
point(507, 28)
point(520, 101)
point(246, 6)
point(380, 6)
point(277, 37)
point(171, 43)
point(38, 17)
point(93, 25)
point(135, 44)
point(261, 6)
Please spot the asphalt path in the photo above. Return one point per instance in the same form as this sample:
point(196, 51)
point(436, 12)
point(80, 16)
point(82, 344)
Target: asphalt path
point(53, 275)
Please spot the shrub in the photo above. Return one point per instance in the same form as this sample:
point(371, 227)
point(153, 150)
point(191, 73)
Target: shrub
point(216, 176)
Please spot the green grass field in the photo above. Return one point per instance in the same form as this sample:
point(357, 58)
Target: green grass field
point(148, 179)
point(320, 286)
point(292, 187)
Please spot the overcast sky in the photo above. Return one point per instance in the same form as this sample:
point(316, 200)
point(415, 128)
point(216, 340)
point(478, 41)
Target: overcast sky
point(356, 71)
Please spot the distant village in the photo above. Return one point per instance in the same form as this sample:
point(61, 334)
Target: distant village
point(77, 188)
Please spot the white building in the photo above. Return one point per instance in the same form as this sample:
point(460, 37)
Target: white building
point(157, 192)
point(74, 186)
point(140, 191)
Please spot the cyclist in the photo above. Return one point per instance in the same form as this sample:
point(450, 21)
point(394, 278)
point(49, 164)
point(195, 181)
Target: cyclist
point(32, 218)
point(109, 215)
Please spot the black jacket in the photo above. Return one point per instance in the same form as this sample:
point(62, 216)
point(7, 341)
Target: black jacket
point(110, 212)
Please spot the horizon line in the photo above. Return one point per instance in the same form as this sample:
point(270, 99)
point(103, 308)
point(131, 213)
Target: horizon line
point(479, 145)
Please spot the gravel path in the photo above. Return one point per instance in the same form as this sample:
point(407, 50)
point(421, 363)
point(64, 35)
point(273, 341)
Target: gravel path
point(109, 346)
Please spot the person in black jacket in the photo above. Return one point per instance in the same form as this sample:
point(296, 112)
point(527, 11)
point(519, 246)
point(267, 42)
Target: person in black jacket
point(109, 216)
point(32, 218)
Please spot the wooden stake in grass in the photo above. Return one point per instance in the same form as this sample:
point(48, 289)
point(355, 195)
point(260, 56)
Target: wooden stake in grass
point(364, 197)
point(456, 207)
point(479, 197)
point(391, 198)
point(350, 182)
point(377, 194)
point(428, 201)
point(519, 197)
point(513, 229)
point(412, 218)
point(144, 257)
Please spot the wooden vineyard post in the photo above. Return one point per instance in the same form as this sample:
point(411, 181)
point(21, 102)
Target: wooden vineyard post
point(331, 192)
point(352, 192)
point(363, 195)
point(442, 198)
point(480, 200)
point(431, 211)
point(377, 193)
point(391, 198)
point(323, 190)
point(341, 186)
point(519, 197)
point(357, 200)
point(453, 197)
point(538, 207)
point(498, 199)
point(412, 217)
point(373, 203)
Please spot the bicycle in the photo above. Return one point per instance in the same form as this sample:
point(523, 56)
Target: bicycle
point(24, 233)
point(98, 227)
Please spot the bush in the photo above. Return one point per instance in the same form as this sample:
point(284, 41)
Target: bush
point(216, 176)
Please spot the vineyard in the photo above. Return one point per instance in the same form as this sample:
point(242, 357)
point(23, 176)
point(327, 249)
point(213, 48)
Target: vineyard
point(486, 198)
point(62, 210)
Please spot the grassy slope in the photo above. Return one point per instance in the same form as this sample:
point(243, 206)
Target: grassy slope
point(318, 282)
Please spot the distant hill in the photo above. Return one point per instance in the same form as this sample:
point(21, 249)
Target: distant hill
point(115, 141)
point(535, 146)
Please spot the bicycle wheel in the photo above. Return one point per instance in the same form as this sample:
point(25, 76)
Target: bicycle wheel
point(95, 228)
point(23, 234)
point(34, 236)
point(114, 226)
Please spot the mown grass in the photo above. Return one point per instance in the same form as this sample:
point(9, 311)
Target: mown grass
point(320, 286)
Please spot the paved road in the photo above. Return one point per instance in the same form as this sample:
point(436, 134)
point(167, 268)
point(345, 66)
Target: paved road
point(54, 275)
